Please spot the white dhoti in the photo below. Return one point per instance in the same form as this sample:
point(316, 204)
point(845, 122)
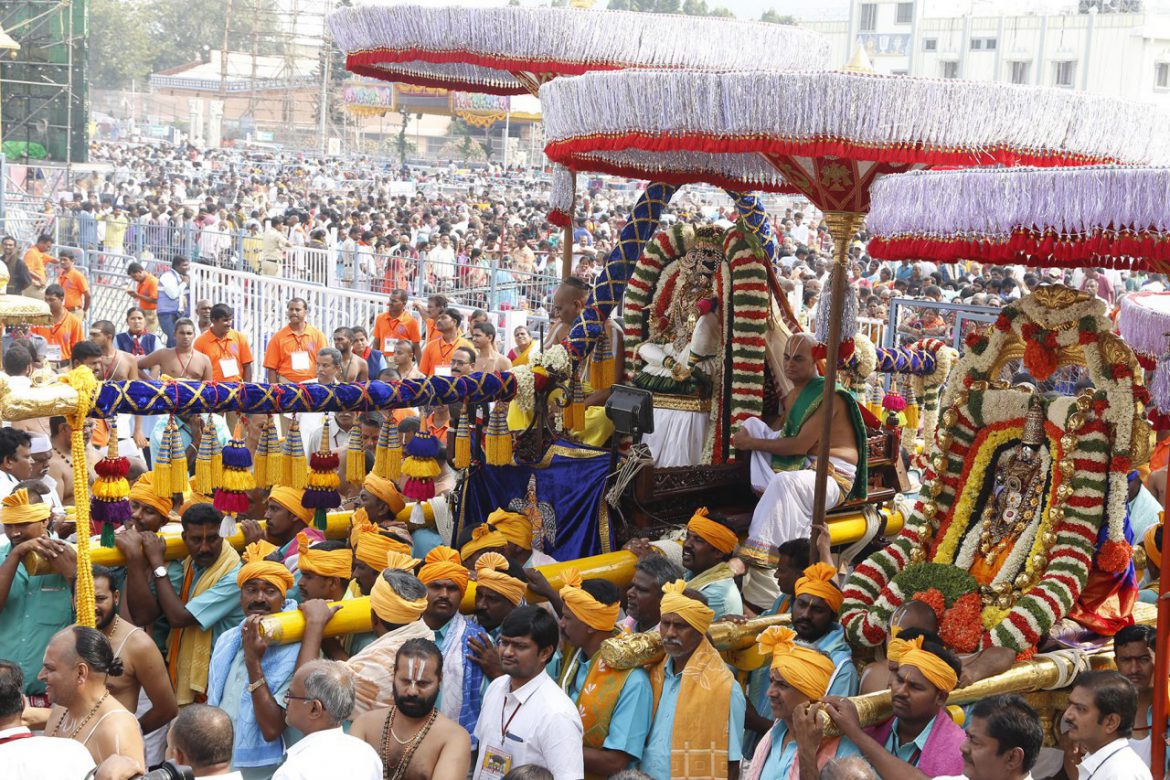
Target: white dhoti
point(785, 509)
point(679, 437)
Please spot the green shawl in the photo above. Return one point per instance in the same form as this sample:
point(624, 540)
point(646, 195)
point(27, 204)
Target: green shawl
point(803, 408)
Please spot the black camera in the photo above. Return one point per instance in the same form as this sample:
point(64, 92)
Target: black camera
point(170, 771)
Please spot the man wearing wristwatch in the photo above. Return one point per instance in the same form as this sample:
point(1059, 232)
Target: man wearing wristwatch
point(196, 600)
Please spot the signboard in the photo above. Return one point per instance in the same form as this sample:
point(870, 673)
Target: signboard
point(885, 44)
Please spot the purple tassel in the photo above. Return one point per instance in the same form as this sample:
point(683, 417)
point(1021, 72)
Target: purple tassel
point(423, 445)
point(116, 512)
point(321, 499)
point(236, 455)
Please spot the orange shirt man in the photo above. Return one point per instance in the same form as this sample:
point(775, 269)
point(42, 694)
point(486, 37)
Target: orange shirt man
point(291, 355)
point(36, 258)
point(226, 348)
point(436, 356)
point(75, 285)
point(65, 331)
point(394, 325)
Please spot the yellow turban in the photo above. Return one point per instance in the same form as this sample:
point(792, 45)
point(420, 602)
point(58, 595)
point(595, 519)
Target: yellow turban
point(371, 546)
point(327, 563)
point(142, 491)
point(909, 652)
point(590, 611)
point(483, 538)
point(443, 564)
point(718, 536)
point(490, 573)
point(697, 614)
point(513, 525)
point(384, 490)
point(16, 510)
point(193, 498)
point(818, 581)
point(396, 559)
point(1150, 544)
point(392, 608)
point(290, 499)
point(804, 668)
point(257, 568)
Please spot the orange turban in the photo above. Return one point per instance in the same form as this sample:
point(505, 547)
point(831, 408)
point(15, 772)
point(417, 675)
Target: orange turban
point(513, 525)
point(327, 563)
point(697, 614)
point(590, 611)
point(392, 608)
point(384, 490)
point(804, 668)
point(483, 538)
point(371, 546)
point(193, 498)
point(818, 581)
point(396, 559)
point(16, 510)
point(1150, 545)
point(490, 573)
point(909, 652)
point(256, 567)
point(291, 499)
point(142, 491)
point(443, 564)
point(718, 536)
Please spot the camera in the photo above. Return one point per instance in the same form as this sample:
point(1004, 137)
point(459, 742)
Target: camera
point(170, 771)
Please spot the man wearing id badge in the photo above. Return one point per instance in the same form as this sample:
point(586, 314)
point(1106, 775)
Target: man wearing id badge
point(436, 356)
point(291, 356)
point(395, 325)
point(226, 348)
point(526, 718)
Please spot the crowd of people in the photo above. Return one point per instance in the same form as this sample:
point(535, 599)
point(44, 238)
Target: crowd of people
point(442, 684)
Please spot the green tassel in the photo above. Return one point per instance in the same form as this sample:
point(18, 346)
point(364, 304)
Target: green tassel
point(320, 519)
point(108, 535)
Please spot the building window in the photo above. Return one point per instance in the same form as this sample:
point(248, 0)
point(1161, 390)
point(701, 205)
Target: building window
point(930, 44)
point(950, 70)
point(904, 13)
point(983, 44)
point(1162, 75)
point(1065, 73)
point(1020, 72)
point(868, 17)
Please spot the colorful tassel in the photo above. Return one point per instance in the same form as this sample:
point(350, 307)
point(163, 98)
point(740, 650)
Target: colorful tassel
point(321, 491)
point(463, 442)
point(575, 411)
point(203, 479)
point(232, 496)
point(109, 506)
point(394, 455)
point(498, 440)
point(421, 466)
point(355, 457)
point(179, 478)
point(161, 472)
point(261, 461)
point(602, 366)
point(382, 449)
point(294, 467)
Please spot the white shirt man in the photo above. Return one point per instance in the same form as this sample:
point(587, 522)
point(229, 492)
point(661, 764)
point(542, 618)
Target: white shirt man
point(45, 758)
point(330, 753)
point(543, 727)
point(1115, 761)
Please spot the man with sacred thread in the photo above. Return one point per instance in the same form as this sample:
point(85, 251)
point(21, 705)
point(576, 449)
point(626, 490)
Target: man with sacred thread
point(783, 464)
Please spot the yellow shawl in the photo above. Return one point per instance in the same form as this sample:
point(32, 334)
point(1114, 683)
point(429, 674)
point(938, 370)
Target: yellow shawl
point(190, 648)
point(699, 738)
point(717, 573)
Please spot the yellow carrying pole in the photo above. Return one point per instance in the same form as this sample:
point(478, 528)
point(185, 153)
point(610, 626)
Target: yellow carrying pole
point(354, 615)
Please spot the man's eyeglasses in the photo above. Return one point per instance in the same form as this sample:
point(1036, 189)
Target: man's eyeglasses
point(288, 695)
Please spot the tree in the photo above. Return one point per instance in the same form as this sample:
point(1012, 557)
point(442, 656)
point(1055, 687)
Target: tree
point(773, 17)
point(181, 36)
point(119, 46)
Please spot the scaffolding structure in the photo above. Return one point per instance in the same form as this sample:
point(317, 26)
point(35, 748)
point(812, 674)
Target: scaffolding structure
point(43, 85)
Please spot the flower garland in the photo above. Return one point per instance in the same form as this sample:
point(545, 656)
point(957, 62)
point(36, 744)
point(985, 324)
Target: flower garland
point(1093, 434)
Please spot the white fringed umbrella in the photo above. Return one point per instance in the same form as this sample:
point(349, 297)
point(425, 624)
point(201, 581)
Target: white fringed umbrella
point(513, 50)
point(830, 135)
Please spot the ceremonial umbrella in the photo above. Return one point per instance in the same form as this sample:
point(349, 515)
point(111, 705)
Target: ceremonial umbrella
point(513, 50)
point(830, 135)
point(1106, 216)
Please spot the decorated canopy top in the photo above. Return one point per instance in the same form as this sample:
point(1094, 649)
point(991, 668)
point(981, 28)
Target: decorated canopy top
point(512, 50)
point(830, 134)
point(1104, 216)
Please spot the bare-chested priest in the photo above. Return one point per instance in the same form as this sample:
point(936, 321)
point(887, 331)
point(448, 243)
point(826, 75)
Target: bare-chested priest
point(424, 742)
point(118, 366)
point(183, 361)
point(783, 465)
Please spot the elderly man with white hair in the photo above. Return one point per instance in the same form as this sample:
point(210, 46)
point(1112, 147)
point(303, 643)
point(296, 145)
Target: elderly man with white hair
point(318, 702)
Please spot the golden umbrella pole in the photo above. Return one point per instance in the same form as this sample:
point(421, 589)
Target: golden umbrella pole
point(567, 251)
point(843, 225)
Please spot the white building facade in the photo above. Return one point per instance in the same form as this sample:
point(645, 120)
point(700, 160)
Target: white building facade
point(1122, 54)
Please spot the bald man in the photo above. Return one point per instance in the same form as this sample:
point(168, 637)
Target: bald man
point(784, 464)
